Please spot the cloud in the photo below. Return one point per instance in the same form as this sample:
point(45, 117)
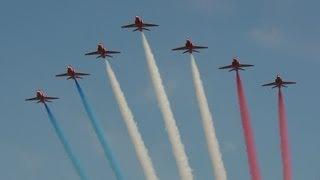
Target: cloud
point(149, 95)
point(229, 146)
point(213, 6)
point(267, 36)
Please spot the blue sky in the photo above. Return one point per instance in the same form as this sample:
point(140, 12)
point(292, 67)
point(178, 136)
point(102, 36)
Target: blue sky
point(38, 38)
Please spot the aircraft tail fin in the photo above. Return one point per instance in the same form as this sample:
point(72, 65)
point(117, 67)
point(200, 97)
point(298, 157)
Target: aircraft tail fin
point(195, 51)
point(185, 51)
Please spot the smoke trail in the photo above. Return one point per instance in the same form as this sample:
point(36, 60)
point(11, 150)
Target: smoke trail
point(208, 126)
point(140, 148)
point(170, 123)
point(65, 144)
point(285, 151)
point(100, 134)
point(248, 134)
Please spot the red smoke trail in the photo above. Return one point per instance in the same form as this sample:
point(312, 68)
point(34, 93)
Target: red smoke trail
point(285, 151)
point(248, 134)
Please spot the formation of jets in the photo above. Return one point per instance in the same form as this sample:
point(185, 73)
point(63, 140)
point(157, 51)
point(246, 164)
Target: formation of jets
point(236, 66)
point(139, 25)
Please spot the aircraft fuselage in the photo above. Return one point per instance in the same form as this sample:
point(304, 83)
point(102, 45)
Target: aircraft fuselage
point(40, 96)
point(70, 71)
point(139, 23)
point(189, 46)
point(235, 63)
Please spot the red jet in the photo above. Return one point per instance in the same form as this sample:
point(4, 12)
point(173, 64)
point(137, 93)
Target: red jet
point(102, 52)
point(139, 25)
point(236, 66)
point(41, 97)
point(189, 47)
point(72, 74)
point(278, 82)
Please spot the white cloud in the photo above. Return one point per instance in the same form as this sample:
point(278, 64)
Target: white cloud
point(267, 36)
point(213, 6)
point(229, 146)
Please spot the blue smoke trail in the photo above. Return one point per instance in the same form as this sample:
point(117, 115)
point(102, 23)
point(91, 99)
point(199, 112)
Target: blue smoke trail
point(100, 134)
point(65, 144)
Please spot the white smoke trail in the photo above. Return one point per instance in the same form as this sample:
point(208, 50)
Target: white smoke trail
point(207, 123)
point(170, 123)
point(140, 148)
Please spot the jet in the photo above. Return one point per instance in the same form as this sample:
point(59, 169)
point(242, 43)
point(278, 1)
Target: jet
point(72, 74)
point(139, 25)
point(41, 97)
point(278, 82)
point(102, 52)
point(189, 47)
point(236, 66)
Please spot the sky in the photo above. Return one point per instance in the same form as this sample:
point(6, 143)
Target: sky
point(39, 38)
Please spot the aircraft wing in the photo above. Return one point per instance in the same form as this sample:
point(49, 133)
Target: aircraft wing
point(113, 52)
point(81, 74)
point(180, 48)
point(200, 47)
point(226, 67)
point(51, 98)
point(289, 82)
point(32, 99)
point(129, 26)
point(60, 75)
point(270, 84)
point(149, 25)
point(246, 65)
point(92, 53)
